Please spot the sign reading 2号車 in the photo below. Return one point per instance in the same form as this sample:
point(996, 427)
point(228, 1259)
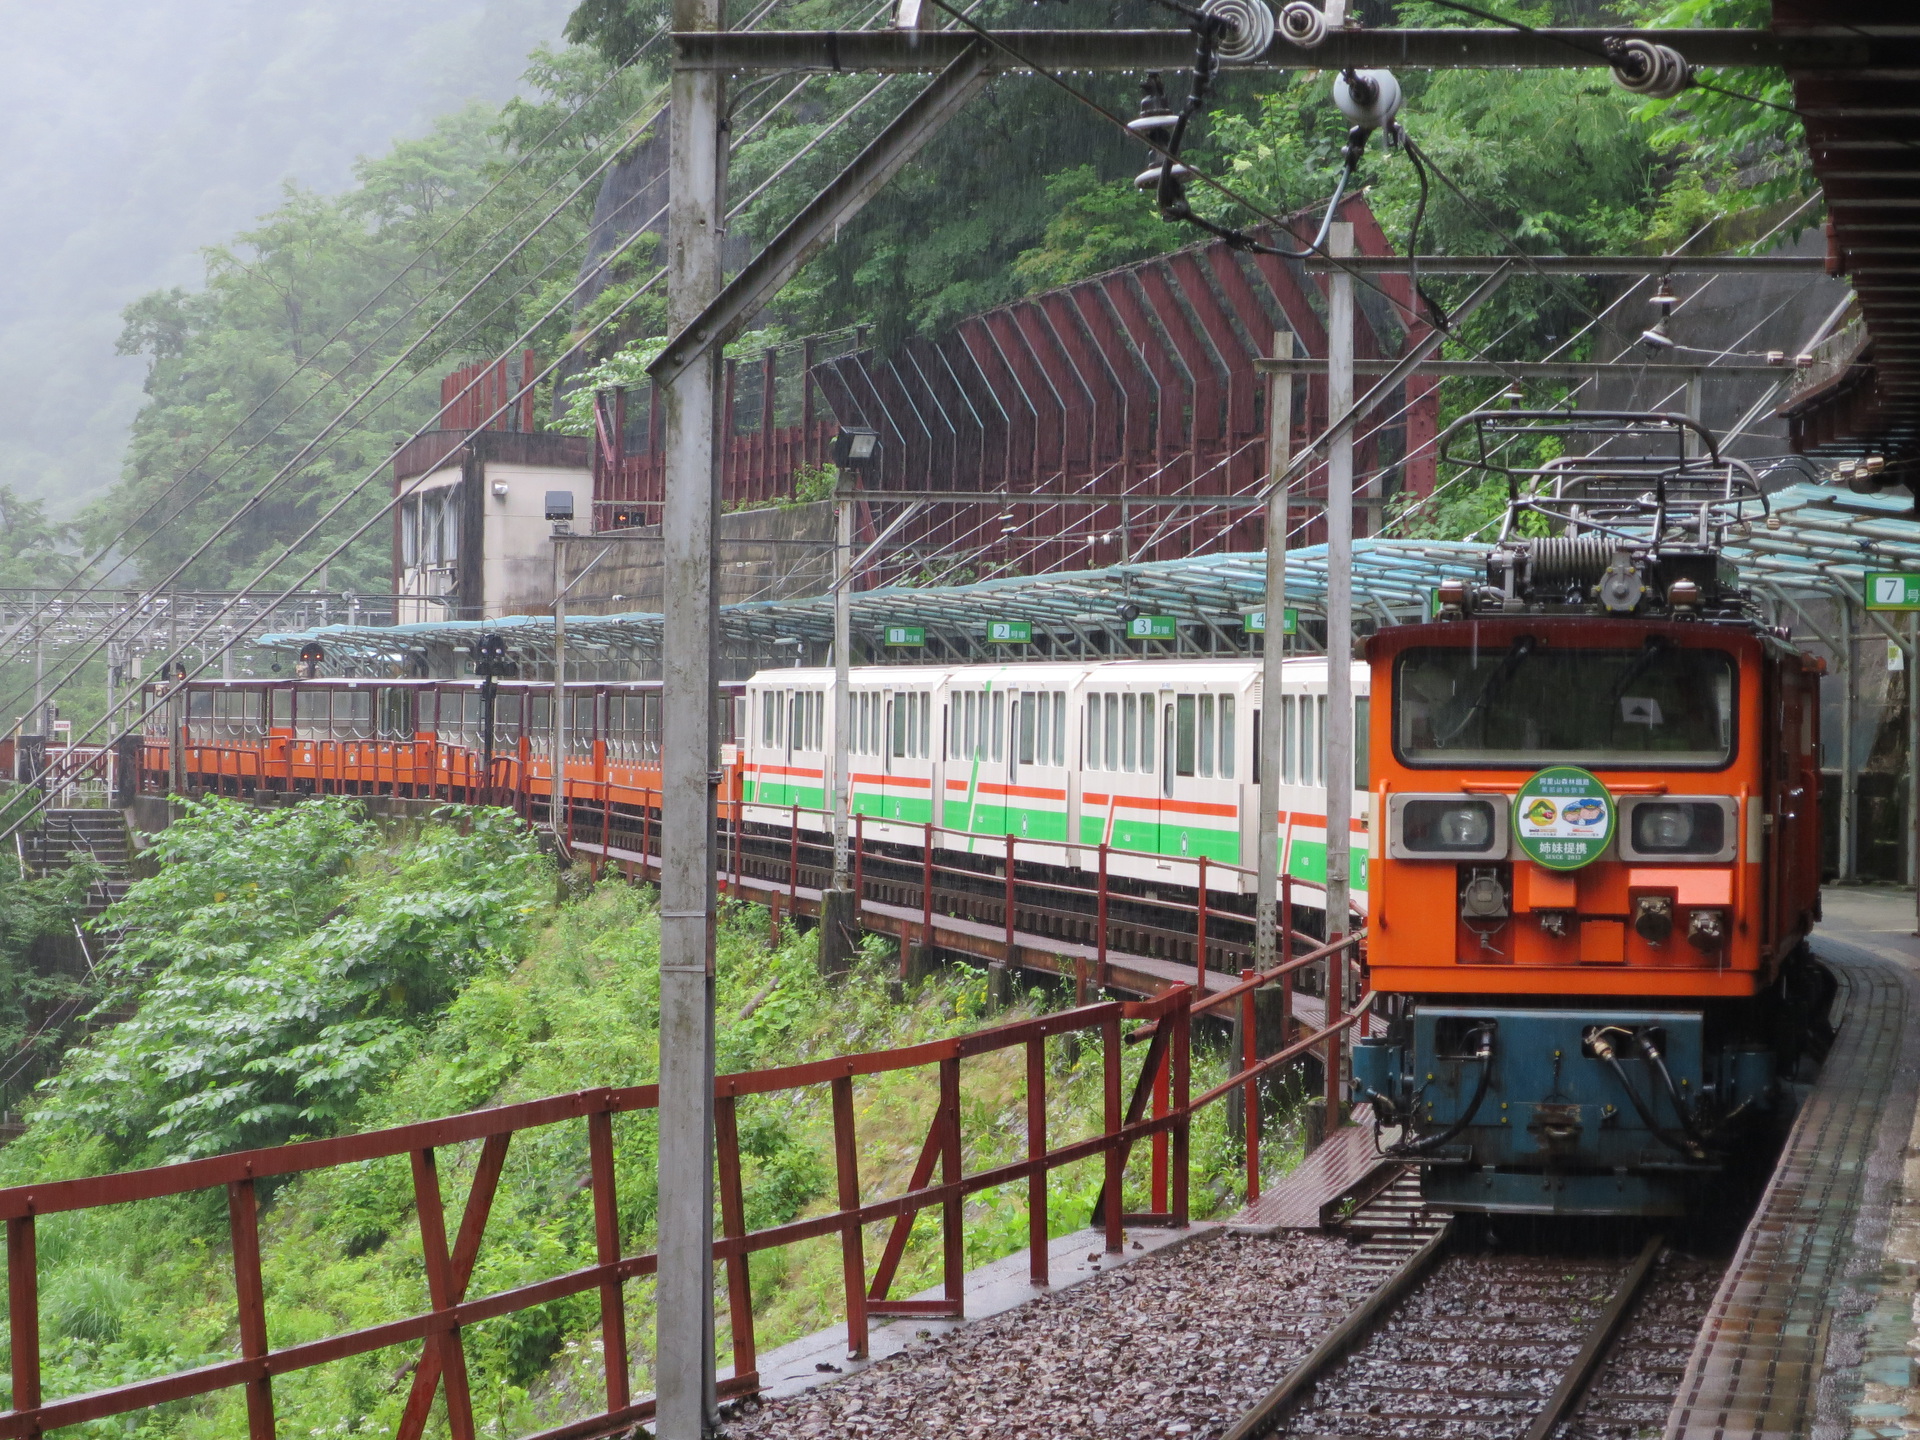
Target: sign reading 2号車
point(1563, 818)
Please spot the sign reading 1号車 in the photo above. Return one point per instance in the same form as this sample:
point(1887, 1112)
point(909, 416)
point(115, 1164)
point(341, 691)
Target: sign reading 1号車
point(1563, 818)
point(1892, 590)
point(908, 635)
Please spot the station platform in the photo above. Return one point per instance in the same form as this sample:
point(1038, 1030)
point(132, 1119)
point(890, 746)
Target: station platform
point(1812, 1332)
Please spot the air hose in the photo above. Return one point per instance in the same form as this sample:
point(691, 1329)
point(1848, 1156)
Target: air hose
point(1427, 1144)
point(1659, 1063)
point(1604, 1049)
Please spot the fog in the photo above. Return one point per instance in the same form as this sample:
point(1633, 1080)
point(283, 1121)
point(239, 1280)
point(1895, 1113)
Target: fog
point(135, 133)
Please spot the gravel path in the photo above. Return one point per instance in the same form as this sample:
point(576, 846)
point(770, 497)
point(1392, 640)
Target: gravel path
point(1174, 1344)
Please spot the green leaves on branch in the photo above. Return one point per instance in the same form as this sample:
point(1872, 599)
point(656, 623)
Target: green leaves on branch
point(282, 963)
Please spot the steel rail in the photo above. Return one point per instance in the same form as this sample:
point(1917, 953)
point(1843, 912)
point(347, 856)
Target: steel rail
point(1271, 1409)
point(1573, 1384)
point(909, 52)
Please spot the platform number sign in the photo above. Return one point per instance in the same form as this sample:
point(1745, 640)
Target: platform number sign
point(1892, 590)
point(1009, 632)
point(1256, 622)
point(1151, 627)
point(1564, 818)
point(907, 635)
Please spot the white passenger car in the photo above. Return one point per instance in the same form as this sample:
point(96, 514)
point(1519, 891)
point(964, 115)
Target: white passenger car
point(1156, 759)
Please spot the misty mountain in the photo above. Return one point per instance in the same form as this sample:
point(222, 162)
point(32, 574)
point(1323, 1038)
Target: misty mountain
point(135, 134)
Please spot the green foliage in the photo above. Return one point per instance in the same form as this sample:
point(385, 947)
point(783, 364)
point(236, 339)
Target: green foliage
point(89, 1302)
point(626, 366)
point(346, 286)
point(43, 1003)
point(615, 28)
point(1741, 154)
point(282, 966)
point(308, 286)
point(1552, 161)
point(33, 549)
point(814, 483)
point(568, 998)
point(1098, 225)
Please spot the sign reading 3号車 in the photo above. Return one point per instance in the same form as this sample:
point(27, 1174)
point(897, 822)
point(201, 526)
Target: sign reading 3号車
point(1563, 818)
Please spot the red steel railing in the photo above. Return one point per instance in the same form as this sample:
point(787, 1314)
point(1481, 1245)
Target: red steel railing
point(1164, 1084)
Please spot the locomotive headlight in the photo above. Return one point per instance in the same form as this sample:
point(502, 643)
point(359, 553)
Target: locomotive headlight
point(1447, 825)
point(1658, 828)
point(1664, 827)
point(1464, 827)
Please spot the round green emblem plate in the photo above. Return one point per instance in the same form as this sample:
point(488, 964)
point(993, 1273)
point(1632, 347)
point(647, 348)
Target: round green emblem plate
point(1563, 818)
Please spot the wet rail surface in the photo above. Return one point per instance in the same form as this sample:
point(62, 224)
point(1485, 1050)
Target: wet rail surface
point(1466, 1339)
point(1639, 1379)
point(1478, 1348)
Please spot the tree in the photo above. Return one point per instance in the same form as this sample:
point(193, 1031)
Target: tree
point(315, 305)
point(33, 549)
point(1726, 154)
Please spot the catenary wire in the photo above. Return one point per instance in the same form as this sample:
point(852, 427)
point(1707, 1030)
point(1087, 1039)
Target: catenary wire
point(313, 360)
point(180, 646)
point(112, 628)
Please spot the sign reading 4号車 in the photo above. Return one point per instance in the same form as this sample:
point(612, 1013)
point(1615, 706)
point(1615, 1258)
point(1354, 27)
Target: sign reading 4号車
point(1563, 818)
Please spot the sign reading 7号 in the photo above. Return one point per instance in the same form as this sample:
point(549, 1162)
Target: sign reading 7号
point(1892, 590)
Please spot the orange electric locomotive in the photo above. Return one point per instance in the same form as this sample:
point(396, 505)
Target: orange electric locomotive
point(1595, 837)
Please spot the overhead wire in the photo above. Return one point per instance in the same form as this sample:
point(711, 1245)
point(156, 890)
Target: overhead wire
point(966, 20)
point(617, 139)
point(293, 547)
point(1581, 47)
point(308, 362)
point(111, 629)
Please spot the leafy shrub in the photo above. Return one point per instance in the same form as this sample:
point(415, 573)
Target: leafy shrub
point(282, 963)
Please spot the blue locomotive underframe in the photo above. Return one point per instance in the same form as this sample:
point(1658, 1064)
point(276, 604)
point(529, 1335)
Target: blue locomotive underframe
point(1561, 1110)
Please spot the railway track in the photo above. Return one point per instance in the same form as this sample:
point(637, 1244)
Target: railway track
point(1460, 1343)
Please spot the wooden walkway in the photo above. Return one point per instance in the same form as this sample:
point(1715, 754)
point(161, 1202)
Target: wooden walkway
point(1340, 1161)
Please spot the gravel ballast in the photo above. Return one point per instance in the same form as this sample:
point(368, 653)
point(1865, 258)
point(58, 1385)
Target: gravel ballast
point(1179, 1343)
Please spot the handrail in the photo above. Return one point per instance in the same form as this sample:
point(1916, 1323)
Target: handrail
point(1290, 1052)
point(450, 1268)
point(1255, 981)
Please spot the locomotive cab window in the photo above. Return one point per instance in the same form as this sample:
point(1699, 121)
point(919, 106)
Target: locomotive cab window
point(1528, 705)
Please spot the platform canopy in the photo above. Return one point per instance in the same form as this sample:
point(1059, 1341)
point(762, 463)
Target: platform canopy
point(1081, 612)
point(1818, 544)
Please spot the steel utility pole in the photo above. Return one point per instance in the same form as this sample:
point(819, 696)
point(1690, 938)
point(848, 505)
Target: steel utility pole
point(842, 660)
point(689, 775)
point(556, 805)
point(1339, 513)
point(1850, 683)
point(1273, 654)
point(839, 906)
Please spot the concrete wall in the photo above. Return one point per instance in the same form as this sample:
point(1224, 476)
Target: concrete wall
point(1747, 313)
point(779, 553)
point(517, 549)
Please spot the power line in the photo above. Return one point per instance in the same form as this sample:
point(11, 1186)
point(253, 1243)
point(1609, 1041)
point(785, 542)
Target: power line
point(306, 453)
point(431, 247)
point(293, 547)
